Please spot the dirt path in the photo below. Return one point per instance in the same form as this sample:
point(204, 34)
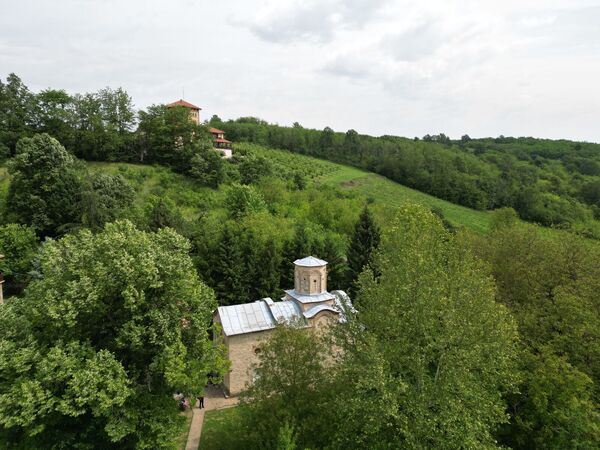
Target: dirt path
point(213, 399)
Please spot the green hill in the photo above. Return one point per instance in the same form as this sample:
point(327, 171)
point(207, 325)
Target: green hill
point(191, 198)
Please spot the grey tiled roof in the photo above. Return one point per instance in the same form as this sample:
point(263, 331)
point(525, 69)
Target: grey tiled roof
point(286, 310)
point(246, 318)
point(265, 314)
point(310, 261)
point(305, 298)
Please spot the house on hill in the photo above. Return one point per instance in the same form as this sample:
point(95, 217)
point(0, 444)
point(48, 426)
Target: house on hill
point(221, 144)
point(194, 110)
point(245, 326)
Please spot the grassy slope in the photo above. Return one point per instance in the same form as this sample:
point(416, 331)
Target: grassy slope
point(386, 194)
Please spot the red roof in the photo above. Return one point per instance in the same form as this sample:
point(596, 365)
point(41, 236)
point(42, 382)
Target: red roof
point(184, 104)
point(215, 131)
point(225, 141)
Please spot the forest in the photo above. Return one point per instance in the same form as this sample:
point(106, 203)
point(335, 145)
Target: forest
point(122, 230)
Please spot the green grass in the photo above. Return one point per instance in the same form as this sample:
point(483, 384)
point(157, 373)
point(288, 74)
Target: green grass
point(192, 199)
point(217, 428)
point(389, 194)
point(183, 437)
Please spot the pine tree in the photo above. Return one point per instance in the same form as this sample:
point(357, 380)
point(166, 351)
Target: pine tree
point(364, 241)
point(228, 269)
point(266, 272)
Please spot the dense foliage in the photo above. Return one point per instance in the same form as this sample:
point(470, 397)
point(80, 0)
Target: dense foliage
point(551, 285)
point(45, 190)
point(365, 241)
point(94, 349)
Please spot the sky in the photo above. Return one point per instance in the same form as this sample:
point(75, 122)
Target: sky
point(408, 68)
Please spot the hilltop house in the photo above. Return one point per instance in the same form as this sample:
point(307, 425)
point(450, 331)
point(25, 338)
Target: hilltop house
point(194, 110)
point(245, 326)
point(221, 144)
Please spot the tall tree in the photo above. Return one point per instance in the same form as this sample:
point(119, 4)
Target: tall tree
point(166, 135)
point(228, 271)
point(363, 243)
point(297, 247)
point(265, 271)
point(441, 352)
point(17, 113)
point(104, 197)
point(288, 388)
point(45, 190)
point(93, 351)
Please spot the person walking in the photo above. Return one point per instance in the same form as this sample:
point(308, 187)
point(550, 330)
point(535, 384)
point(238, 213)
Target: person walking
point(201, 401)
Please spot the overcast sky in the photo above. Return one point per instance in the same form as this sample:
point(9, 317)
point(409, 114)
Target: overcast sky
point(511, 67)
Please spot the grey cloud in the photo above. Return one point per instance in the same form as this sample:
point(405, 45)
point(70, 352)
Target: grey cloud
point(348, 67)
point(565, 30)
point(313, 21)
point(414, 44)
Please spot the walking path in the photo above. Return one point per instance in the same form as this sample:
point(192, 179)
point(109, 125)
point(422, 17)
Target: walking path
point(213, 399)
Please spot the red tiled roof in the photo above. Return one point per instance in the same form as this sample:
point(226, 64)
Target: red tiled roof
point(214, 130)
point(183, 103)
point(225, 141)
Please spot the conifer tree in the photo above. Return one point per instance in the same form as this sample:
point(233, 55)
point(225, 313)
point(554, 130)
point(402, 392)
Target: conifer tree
point(364, 241)
point(266, 271)
point(228, 270)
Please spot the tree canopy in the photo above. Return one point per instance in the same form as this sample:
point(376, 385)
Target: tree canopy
point(94, 349)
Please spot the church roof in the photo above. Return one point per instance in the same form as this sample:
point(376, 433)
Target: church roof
point(246, 318)
point(265, 314)
point(310, 261)
point(317, 309)
point(312, 298)
point(184, 104)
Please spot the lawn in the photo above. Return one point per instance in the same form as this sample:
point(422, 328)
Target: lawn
point(182, 439)
point(217, 429)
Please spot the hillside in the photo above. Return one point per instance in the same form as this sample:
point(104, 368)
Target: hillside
point(191, 198)
point(553, 183)
point(385, 194)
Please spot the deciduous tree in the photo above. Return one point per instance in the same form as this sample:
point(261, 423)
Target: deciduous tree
point(45, 189)
point(93, 351)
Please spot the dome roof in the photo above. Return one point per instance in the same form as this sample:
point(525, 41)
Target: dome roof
point(310, 261)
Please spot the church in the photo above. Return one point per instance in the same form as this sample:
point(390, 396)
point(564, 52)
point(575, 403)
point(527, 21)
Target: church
point(245, 326)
